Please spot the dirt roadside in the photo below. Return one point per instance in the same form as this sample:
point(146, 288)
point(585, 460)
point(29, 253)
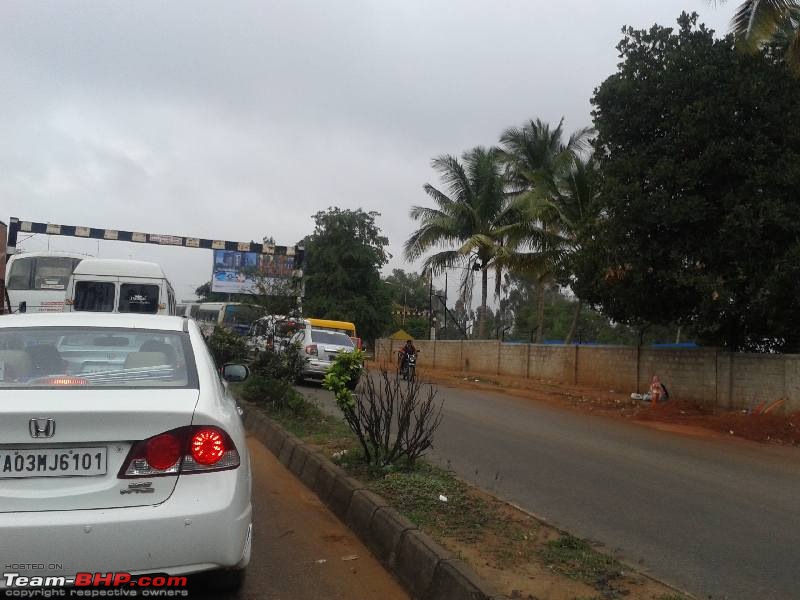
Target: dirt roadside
point(677, 415)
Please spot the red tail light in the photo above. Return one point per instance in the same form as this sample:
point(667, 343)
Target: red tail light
point(208, 446)
point(62, 380)
point(183, 450)
point(163, 451)
point(312, 349)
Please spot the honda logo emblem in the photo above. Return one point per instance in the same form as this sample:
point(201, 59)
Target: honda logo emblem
point(42, 428)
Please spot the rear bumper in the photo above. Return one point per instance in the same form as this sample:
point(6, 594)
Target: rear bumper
point(204, 525)
point(316, 368)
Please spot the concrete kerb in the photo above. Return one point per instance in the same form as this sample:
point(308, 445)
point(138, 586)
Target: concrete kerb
point(298, 460)
point(422, 566)
point(287, 450)
point(363, 506)
point(386, 528)
point(454, 580)
point(326, 475)
point(311, 468)
point(341, 494)
point(275, 444)
point(248, 417)
point(415, 561)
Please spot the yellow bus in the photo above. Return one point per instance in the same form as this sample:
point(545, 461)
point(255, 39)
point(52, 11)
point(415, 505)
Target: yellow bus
point(345, 327)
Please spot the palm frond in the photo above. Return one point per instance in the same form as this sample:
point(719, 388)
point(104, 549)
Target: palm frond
point(452, 173)
point(444, 202)
point(757, 20)
point(440, 261)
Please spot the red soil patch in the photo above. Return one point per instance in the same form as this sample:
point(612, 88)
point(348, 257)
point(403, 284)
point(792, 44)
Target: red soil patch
point(676, 415)
point(773, 428)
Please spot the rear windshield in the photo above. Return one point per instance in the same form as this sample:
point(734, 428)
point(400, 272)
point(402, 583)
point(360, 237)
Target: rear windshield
point(319, 336)
point(138, 298)
point(103, 356)
point(94, 296)
point(41, 273)
point(52, 272)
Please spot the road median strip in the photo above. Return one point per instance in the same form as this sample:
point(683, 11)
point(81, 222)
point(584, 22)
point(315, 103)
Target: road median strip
point(440, 536)
point(427, 570)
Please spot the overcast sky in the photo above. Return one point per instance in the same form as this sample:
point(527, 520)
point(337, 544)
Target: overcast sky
point(236, 120)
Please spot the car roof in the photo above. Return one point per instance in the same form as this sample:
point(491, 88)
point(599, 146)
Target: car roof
point(46, 254)
point(120, 268)
point(90, 319)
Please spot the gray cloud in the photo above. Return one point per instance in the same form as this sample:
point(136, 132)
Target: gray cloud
point(239, 120)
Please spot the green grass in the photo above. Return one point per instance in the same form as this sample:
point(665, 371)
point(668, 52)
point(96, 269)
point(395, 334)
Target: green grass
point(576, 559)
point(312, 425)
point(309, 423)
point(416, 494)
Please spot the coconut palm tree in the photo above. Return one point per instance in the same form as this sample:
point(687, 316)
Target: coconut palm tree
point(757, 22)
point(468, 218)
point(567, 202)
point(538, 164)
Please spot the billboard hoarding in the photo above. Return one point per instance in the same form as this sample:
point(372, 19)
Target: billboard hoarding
point(237, 272)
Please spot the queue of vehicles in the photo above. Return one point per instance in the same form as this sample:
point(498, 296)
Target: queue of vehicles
point(69, 282)
point(117, 428)
point(118, 437)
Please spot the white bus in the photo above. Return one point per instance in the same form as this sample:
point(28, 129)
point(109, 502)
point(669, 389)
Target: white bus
point(37, 281)
point(188, 308)
point(233, 315)
point(120, 286)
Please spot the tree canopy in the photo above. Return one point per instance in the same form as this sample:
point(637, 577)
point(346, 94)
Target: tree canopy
point(344, 256)
point(699, 148)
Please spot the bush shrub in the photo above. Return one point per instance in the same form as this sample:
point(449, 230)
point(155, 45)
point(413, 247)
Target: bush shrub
point(394, 421)
point(227, 346)
point(272, 394)
point(285, 365)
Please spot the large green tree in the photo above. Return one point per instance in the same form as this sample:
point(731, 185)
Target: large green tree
point(410, 293)
point(699, 146)
point(468, 219)
point(344, 256)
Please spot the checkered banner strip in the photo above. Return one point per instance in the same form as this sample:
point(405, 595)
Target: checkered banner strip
point(16, 226)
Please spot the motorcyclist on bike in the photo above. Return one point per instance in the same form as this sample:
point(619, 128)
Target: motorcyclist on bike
point(405, 352)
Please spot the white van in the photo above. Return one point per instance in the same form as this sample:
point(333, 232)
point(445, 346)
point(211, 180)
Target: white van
point(37, 281)
point(120, 286)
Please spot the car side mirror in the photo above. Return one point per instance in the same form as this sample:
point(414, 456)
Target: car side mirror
point(235, 373)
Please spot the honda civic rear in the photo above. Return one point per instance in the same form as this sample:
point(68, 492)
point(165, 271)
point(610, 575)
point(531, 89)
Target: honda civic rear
point(119, 449)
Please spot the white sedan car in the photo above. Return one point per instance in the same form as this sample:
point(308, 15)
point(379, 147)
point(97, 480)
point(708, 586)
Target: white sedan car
point(120, 450)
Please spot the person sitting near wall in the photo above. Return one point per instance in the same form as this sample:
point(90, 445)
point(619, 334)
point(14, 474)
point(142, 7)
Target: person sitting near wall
point(657, 392)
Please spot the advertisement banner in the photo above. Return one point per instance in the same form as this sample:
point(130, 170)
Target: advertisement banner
point(250, 272)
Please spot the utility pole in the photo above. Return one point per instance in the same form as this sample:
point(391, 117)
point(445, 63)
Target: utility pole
point(432, 335)
point(445, 304)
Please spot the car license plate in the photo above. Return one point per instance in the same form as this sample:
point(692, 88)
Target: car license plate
point(52, 462)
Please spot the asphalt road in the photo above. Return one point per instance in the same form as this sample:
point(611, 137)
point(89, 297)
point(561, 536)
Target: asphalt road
point(298, 545)
point(717, 517)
